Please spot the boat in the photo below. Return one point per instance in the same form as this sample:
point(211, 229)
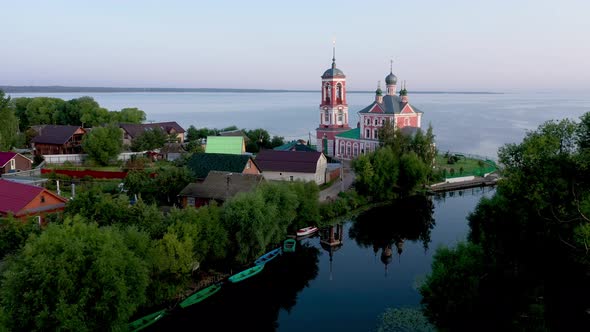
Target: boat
point(247, 273)
point(146, 321)
point(268, 256)
point(289, 245)
point(200, 295)
point(307, 231)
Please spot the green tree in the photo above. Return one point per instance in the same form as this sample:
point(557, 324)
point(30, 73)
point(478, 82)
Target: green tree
point(9, 133)
point(128, 115)
point(258, 139)
point(102, 144)
point(74, 276)
point(14, 233)
point(149, 140)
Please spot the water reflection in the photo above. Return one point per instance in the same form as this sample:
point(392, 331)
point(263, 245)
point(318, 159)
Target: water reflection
point(387, 227)
point(253, 304)
point(331, 241)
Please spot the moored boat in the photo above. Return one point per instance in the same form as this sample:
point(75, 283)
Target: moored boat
point(246, 273)
point(268, 256)
point(200, 295)
point(307, 231)
point(289, 245)
point(143, 322)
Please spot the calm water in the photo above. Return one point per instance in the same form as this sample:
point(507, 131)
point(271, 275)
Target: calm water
point(470, 123)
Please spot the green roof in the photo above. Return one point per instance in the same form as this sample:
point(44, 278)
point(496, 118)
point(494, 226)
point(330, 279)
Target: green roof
point(294, 146)
point(201, 163)
point(225, 144)
point(353, 133)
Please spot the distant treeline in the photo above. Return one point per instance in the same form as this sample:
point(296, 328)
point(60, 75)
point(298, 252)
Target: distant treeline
point(73, 89)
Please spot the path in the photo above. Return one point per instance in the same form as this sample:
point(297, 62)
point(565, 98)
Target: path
point(339, 185)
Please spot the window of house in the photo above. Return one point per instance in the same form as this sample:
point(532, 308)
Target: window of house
point(406, 121)
point(368, 121)
point(190, 201)
point(42, 199)
point(291, 177)
point(348, 150)
point(248, 165)
point(375, 123)
point(355, 150)
point(12, 164)
point(342, 148)
point(375, 133)
point(368, 133)
point(382, 122)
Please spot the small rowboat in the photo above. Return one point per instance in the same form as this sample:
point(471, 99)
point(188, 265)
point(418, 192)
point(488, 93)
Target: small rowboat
point(146, 321)
point(246, 273)
point(307, 231)
point(289, 245)
point(200, 295)
point(268, 256)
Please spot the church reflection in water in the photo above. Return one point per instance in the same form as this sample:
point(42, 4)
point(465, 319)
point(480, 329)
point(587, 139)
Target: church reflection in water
point(331, 240)
point(386, 228)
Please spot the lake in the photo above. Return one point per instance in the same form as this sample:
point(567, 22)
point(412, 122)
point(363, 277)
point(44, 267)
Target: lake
point(469, 123)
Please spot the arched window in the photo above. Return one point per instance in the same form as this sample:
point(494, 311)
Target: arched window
point(376, 121)
point(355, 150)
point(339, 92)
point(340, 116)
point(375, 133)
point(341, 148)
point(368, 134)
point(326, 116)
point(368, 121)
point(328, 92)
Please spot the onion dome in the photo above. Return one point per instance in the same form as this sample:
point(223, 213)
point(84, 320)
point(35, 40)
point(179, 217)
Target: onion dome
point(390, 79)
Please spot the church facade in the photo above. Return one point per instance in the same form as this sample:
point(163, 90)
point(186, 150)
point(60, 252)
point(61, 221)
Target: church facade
point(334, 136)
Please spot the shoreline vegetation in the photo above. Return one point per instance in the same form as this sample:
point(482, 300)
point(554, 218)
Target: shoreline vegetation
point(83, 89)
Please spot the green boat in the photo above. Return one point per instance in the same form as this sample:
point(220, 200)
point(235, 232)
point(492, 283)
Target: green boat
point(200, 295)
point(246, 273)
point(146, 321)
point(289, 245)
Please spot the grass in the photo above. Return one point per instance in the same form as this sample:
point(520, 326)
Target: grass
point(464, 166)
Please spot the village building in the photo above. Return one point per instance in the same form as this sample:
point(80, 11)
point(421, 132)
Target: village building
point(200, 164)
point(292, 165)
point(57, 139)
point(226, 144)
point(132, 130)
point(334, 136)
point(218, 187)
point(24, 201)
point(11, 162)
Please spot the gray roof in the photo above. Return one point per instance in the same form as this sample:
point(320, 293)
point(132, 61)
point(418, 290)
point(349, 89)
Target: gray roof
point(222, 185)
point(390, 105)
point(288, 161)
point(135, 129)
point(54, 134)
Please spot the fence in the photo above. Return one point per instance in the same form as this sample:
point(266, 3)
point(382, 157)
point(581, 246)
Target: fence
point(83, 173)
point(59, 159)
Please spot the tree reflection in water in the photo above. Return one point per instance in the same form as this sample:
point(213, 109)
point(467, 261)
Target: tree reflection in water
point(388, 226)
point(253, 304)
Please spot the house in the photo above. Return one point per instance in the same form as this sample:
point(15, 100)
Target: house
point(172, 151)
point(292, 165)
point(218, 186)
point(200, 164)
point(131, 130)
point(14, 162)
point(225, 144)
point(24, 201)
point(58, 139)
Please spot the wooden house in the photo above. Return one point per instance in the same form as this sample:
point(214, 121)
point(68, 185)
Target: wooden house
point(218, 186)
point(57, 139)
point(24, 200)
point(14, 162)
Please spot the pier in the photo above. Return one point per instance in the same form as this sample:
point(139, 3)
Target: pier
point(476, 181)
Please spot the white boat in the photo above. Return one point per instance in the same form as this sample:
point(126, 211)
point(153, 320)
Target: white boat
point(307, 231)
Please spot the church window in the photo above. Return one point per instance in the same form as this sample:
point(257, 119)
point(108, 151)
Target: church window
point(339, 92)
point(368, 134)
point(355, 150)
point(382, 122)
point(368, 121)
point(328, 92)
point(342, 148)
point(375, 122)
point(340, 116)
point(375, 133)
point(348, 150)
point(326, 116)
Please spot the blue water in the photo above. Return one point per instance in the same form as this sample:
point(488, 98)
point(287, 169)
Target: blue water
point(470, 123)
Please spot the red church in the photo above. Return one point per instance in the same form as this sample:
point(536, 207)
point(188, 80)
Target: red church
point(334, 136)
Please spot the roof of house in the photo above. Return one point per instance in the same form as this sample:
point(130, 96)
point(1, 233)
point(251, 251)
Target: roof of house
point(5, 157)
point(54, 134)
point(222, 185)
point(201, 163)
point(288, 161)
point(225, 144)
point(135, 129)
point(237, 132)
point(390, 105)
point(15, 196)
point(295, 146)
point(351, 134)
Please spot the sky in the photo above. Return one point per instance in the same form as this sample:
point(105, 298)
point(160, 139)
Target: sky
point(450, 45)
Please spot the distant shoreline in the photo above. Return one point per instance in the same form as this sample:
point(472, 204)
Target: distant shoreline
point(75, 89)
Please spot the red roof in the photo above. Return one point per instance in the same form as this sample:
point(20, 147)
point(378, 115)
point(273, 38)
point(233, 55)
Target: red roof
point(288, 161)
point(5, 157)
point(15, 196)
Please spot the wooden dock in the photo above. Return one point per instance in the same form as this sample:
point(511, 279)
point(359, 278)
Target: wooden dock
point(489, 180)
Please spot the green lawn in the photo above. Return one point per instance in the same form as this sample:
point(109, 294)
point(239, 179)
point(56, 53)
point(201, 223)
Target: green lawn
point(464, 166)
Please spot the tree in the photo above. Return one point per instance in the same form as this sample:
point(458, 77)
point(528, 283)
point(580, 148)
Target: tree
point(9, 133)
point(128, 115)
point(149, 140)
point(102, 144)
point(14, 233)
point(74, 276)
point(258, 139)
